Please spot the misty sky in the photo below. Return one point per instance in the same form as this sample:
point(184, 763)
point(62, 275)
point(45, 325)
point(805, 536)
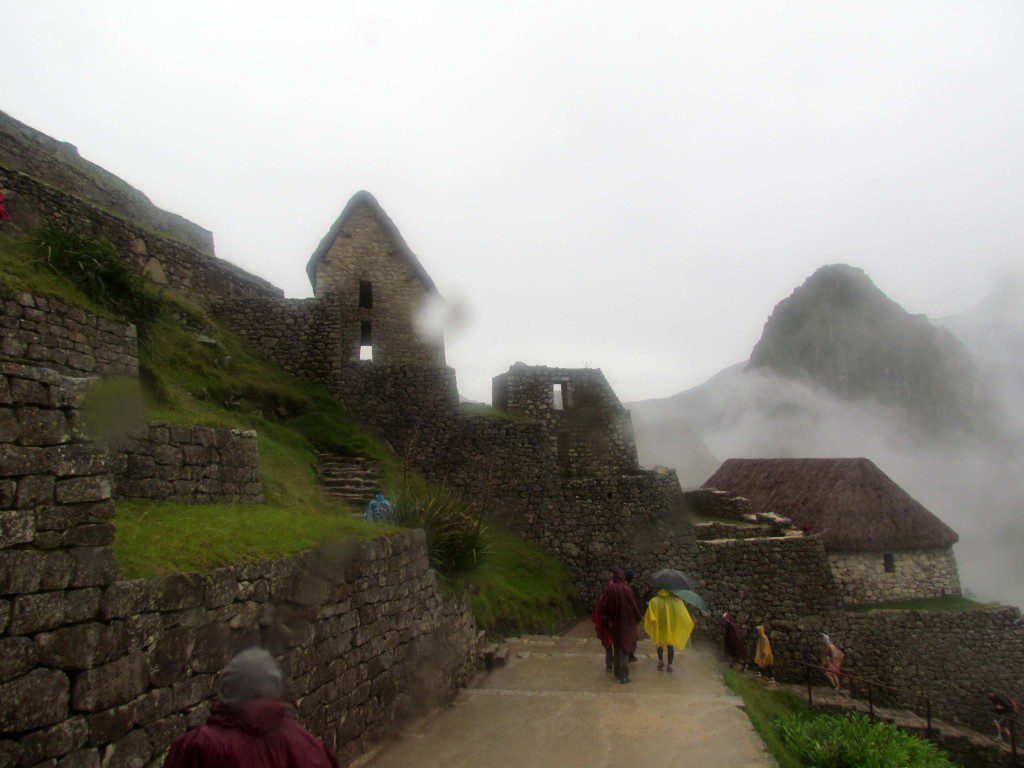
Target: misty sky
point(602, 184)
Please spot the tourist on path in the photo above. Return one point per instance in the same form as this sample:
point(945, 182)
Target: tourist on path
point(249, 726)
point(831, 660)
point(1005, 709)
point(763, 657)
point(732, 642)
point(668, 624)
point(640, 601)
point(620, 612)
point(603, 633)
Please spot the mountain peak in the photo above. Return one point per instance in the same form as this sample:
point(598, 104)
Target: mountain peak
point(840, 331)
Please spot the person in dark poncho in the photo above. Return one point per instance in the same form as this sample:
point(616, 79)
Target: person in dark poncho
point(620, 612)
point(603, 634)
point(249, 726)
point(732, 642)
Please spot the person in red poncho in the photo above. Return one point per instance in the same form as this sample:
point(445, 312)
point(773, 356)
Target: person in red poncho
point(620, 612)
point(3, 210)
point(603, 634)
point(249, 726)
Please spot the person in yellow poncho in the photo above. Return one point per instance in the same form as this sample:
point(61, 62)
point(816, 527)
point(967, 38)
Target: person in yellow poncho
point(763, 657)
point(668, 624)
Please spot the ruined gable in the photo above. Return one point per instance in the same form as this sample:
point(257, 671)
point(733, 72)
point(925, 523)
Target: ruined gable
point(364, 268)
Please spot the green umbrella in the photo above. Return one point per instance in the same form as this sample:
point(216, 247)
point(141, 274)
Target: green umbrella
point(688, 596)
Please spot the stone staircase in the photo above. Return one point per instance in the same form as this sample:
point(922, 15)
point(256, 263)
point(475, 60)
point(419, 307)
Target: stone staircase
point(351, 480)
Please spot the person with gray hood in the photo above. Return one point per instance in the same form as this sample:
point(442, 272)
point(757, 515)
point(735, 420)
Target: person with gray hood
point(249, 725)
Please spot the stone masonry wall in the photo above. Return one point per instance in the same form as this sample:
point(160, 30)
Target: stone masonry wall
point(953, 657)
point(95, 670)
point(65, 338)
point(161, 258)
point(365, 251)
point(197, 465)
point(919, 573)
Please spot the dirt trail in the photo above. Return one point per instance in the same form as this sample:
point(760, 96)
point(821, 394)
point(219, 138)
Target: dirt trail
point(554, 705)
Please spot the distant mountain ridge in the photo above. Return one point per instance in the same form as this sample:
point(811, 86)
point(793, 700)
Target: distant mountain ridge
point(841, 332)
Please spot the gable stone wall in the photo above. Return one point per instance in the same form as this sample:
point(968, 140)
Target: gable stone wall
point(365, 251)
point(918, 574)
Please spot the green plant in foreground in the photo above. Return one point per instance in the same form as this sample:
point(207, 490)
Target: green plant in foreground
point(96, 269)
point(825, 741)
point(457, 539)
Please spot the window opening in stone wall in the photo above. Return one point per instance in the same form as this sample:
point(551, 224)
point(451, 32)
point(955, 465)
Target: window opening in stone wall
point(365, 341)
point(889, 559)
point(365, 294)
point(560, 395)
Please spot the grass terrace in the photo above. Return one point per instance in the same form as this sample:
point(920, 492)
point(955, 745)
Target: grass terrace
point(943, 603)
point(193, 370)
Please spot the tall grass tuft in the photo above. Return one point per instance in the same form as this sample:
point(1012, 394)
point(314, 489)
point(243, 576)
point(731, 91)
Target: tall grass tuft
point(457, 539)
point(97, 270)
point(825, 741)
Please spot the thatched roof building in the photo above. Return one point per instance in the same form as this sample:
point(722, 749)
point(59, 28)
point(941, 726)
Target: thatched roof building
point(853, 504)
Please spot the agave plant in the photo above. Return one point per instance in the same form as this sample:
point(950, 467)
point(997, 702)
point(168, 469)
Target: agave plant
point(457, 539)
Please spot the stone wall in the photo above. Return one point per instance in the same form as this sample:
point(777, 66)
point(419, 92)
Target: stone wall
point(158, 256)
point(367, 249)
point(918, 573)
point(95, 670)
point(594, 431)
point(65, 338)
point(711, 502)
point(953, 657)
point(58, 164)
point(197, 465)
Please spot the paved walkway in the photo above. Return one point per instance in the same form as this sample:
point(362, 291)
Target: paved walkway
point(555, 706)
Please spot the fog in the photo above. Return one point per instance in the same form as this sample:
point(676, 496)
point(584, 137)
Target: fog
point(972, 482)
point(627, 186)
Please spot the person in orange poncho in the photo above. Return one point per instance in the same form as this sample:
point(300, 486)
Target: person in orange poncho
point(668, 624)
point(763, 656)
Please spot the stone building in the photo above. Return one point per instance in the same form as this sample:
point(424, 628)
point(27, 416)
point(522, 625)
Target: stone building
point(366, 272)
point(882, 544)
point(593, 431)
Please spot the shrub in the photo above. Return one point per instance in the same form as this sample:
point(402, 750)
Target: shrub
point(824, 741)
point(95, 268)
point(457, 540)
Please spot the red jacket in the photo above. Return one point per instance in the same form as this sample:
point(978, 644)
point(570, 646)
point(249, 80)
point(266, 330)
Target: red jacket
point(260, 735)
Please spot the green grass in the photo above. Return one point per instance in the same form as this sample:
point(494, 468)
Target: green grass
point(515, 587)
point(520, 589)
point(155, 538)
point(763, 705)
point(825, 741)
point(943, 603)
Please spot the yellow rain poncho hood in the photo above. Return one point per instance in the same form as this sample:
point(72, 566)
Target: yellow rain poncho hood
point(667, 621)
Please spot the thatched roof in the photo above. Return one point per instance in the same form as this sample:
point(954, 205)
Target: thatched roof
point(853, 504)
point(358, 200)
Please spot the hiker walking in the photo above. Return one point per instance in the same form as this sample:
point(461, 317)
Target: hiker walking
point(763, 657)
point(831, 661)
point(603, 633)
point(668, 624)
point(732, 642)
point(1005, 709)
point(249, 726)
point(620, 612)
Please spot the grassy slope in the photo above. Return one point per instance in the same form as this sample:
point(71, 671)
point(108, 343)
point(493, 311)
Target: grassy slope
point(517, 588)
point(762, 704)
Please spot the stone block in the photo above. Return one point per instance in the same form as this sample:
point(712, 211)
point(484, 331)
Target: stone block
point(94, 566)
point(111, 684)
point(83, 489)
point(34, 490)
point(17, 656)
point(23, 571)
point(181, 590)
point(54, 741)
point(16, 527)
point(78, 647)
point(35, 700)
point(42, 426)
point(133, 751)
point(75, 459)
point(82, 758)
point(35, 612)
point(124, 598)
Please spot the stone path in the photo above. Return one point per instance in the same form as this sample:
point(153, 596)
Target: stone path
point(555, 706)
